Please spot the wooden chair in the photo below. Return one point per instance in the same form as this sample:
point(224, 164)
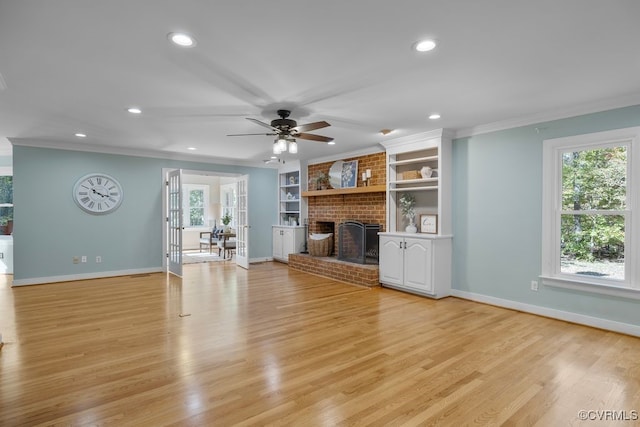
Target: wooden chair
point(227, 245)
point(209, 239)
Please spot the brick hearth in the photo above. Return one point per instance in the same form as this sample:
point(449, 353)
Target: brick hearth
point(334, 209)
point(331, 267)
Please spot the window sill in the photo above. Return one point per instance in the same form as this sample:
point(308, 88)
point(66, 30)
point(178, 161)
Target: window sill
point(594, 288)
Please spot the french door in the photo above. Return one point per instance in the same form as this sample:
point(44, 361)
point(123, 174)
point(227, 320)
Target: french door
point(174, 221)
point(242, 223)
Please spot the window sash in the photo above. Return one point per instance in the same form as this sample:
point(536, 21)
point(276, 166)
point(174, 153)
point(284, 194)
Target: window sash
point(552, 212)
point(201, 205)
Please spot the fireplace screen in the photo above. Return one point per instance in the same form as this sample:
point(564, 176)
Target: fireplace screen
point(358, 242)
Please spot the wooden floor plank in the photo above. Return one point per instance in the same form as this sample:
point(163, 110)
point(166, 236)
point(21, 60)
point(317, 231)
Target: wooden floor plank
point(273, 346)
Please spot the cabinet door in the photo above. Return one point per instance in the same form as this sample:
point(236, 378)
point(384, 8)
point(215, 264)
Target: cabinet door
point(391, 260)
point(277, 242)
point(287, 242)
point(417, 264)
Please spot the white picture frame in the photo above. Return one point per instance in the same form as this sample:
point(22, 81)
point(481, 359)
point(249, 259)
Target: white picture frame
point(429, 223)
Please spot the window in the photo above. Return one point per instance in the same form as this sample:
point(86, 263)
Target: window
point(195, 199)
point(6, 204)
point(589, 212)
point(228, 197)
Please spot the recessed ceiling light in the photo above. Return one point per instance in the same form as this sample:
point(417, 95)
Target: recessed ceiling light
point(81, 135)
point(434, 116)
point(191, 148)
point(274, 157)
point(424, 45)
point(182, 39)
point(134, 110)
point(331, 143)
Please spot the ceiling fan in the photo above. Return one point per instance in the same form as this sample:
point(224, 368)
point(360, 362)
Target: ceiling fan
point(287, 130)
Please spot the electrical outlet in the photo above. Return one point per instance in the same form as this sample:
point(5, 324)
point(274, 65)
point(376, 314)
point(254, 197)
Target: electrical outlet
point(76, 260)
point(534, 285)
point(84, 258)
point(98, 259)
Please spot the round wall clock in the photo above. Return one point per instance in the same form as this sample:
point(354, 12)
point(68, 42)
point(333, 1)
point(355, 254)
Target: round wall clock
point(97, 193)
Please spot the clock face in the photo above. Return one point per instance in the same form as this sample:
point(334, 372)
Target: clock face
point(97, 193)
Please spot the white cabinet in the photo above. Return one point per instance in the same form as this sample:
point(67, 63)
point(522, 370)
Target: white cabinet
point(289, 198)
point(416, 263)
point(6, 254)
point(287, 240)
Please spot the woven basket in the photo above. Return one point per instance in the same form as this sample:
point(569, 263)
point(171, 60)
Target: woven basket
point(411, 175)
point(320, 247)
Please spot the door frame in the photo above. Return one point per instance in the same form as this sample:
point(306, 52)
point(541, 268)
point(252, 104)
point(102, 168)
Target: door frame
point(165, 203)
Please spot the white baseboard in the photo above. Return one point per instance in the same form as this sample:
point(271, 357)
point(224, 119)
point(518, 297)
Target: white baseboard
point(97, 275)
point(596, 322)
point(259, 260)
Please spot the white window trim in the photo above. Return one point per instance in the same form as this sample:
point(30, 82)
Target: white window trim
point(186, 188)
point(552, 185)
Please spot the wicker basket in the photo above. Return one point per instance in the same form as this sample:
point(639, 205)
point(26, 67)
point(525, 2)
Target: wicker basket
point(320, 247)
point(410, 175)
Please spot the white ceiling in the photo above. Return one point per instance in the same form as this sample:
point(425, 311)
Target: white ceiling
point(72, 66)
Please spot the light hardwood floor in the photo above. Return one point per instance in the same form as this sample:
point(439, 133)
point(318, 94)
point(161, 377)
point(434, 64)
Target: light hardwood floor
point(272, 346)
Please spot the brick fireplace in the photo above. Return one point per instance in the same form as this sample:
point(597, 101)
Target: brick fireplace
point(368, 208)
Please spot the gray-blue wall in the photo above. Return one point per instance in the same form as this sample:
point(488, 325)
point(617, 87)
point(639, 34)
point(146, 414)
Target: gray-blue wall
point(49, 229)
point(497, 194)
point(497, 217)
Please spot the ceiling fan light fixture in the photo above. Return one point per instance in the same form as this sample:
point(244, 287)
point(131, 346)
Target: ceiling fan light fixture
point(293, 146)
point(425, 45)
point(282, 144)
point(276, 148)
point(182, 39)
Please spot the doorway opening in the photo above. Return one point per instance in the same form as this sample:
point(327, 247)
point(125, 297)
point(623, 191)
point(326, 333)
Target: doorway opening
point(203, 211)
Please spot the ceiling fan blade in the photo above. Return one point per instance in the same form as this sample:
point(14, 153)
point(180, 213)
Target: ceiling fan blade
point(268, 126)
point(250, 134)
point(310, 126)
point(313, 137)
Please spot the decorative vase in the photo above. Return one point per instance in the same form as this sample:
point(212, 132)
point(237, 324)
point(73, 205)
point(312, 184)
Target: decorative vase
point(411, 228)
point(426, 172)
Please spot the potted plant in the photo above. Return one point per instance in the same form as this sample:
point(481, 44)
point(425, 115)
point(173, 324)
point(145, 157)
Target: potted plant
point(226, 220)
point(322, 181)
point(407, 205)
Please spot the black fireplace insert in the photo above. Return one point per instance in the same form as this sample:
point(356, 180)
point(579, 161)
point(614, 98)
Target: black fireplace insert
point(358, 242)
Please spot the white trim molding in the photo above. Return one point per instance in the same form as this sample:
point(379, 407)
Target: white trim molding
point(533, 119)
point(551, 273)
point(350, 154)
point(86, 276)
point(567, 316)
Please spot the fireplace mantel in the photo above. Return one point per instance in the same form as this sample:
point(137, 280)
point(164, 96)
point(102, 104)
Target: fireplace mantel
point(337, 191)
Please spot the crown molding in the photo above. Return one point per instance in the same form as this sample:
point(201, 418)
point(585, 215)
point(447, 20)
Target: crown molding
point(586, 108)
point(58, 145)
point(346, 155)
